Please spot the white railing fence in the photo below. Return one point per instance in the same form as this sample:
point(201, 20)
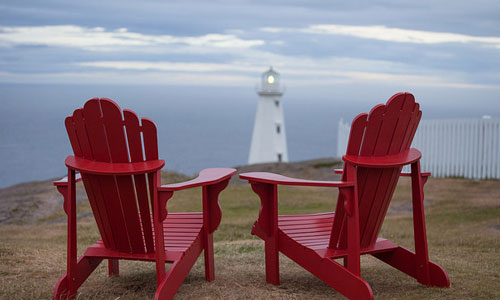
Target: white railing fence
point(451, 148)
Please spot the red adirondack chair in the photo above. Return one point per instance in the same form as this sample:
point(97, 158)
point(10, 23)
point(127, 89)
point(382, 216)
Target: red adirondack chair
point(379, 146)
point(117, 157)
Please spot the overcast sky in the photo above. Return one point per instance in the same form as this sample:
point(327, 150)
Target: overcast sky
point(428, 46)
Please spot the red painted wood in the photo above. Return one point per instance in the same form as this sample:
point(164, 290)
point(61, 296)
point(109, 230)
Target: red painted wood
point(150, 147)
point(420, 235)
point(109, 192)
point(400, 108)
point(208, 251)
point(84, 267)
point(324, 237)
point(212, 215)
point(206, 177)
point(390, 122)
point(356, 135)
point(309, 235)
point(283, 180)
point(150, 139)
point(379, 145)
point(305, 223)
point(178, 272)
point(376, 139)
point(403, 260)
point(372, 130)
point(103, 168)
point(268, 219)
point(133, 130)
point(113, 267)
point(72, 243)
point(311, 229)
point(64, 181)
point(404, 174)
point(78, 135)
point(326, 269)
point(387, 161)
point(305, 216)
point(382, 245)
point(158, 230)
point(118, 161)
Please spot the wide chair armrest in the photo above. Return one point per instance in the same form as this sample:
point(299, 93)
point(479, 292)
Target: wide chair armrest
point(104, 168)
point(206, 177)
point(387, 161)
point(264, 177)
point(404, 174)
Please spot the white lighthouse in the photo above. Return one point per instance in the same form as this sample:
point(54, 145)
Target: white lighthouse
point(269, 135)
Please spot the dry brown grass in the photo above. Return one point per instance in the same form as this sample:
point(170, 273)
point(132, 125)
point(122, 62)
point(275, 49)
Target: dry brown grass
point(463, 221)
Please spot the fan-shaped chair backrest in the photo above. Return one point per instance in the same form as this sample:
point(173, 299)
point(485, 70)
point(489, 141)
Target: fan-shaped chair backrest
point(388, 129)
point(120, 204)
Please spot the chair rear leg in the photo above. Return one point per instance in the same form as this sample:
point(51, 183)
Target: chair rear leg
point(113, 267)
point(341, 279)
point(172, 281)
point(330, 272)
point(406, 261)
point(84, 267)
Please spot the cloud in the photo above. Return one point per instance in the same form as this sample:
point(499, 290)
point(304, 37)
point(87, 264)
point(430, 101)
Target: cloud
point(113, 77)
point(296, 71)
point(389, 79)
point(196, 67)
point(225, 59)
point(100, 39)
point(389, 34)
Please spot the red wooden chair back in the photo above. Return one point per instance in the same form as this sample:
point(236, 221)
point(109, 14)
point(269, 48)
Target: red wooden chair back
point(120, 204)
point(386, 130)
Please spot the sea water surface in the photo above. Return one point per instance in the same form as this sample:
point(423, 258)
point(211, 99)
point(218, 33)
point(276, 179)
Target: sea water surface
point(197, 127)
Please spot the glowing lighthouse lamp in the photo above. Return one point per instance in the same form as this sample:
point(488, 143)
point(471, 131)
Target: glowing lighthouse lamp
point(269, 135)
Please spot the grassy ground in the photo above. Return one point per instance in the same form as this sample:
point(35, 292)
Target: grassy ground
point(463, 221)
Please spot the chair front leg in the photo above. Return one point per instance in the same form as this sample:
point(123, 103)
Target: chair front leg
point(70, 205)
point(77, 270)
point(351, 208)
point(268, 220)
point(212, 215)
point(352, 261)
point(159, 215)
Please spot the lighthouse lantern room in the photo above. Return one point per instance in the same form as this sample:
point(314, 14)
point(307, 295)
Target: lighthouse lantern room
point(269, 135)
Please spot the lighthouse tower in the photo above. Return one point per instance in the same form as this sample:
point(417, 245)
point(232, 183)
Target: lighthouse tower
point(269, 135)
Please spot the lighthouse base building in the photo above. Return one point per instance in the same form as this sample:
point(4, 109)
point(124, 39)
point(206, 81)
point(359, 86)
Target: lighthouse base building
point(269, 135)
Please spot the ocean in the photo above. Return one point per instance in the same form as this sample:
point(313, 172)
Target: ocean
point(197, 127)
